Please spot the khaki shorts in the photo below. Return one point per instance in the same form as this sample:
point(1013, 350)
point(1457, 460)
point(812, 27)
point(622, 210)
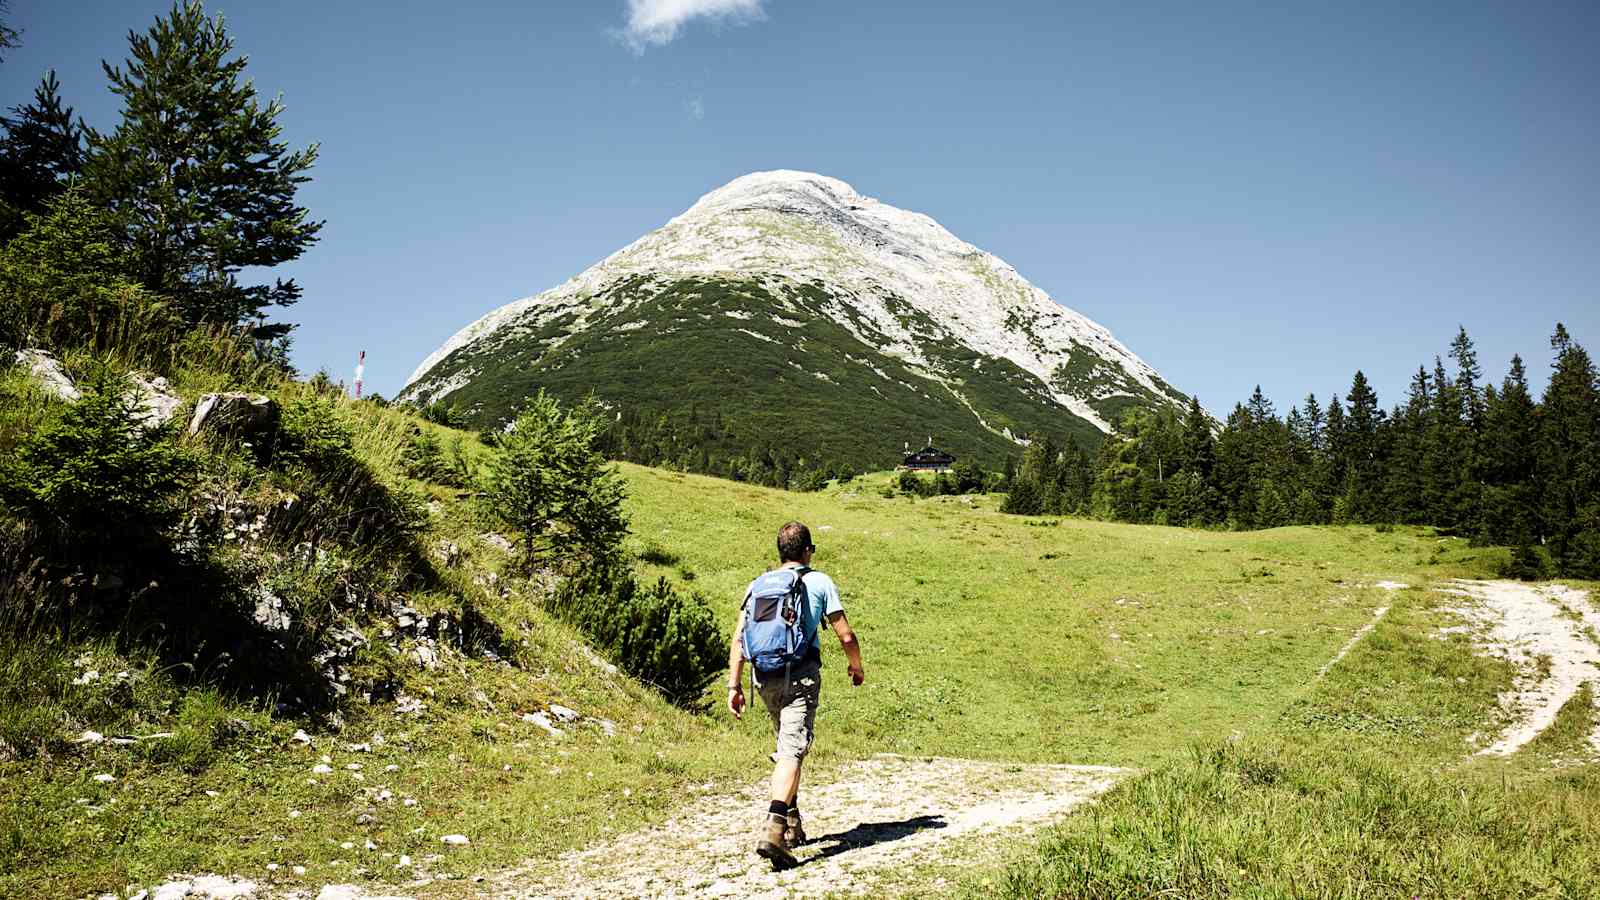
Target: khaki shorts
point(792, 704)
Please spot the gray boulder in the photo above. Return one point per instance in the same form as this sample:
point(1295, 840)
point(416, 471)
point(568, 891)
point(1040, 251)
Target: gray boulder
point(155, 400)
point(46, 370)
point(235, 415)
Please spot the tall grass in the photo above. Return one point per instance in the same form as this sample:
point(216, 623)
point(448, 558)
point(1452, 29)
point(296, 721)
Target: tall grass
point(1284, 820)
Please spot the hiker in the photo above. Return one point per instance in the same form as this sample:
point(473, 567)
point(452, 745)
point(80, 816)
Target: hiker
point(779, 632)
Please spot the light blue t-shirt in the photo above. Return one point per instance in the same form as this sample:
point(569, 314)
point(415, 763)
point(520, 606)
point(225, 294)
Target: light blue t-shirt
point(822, 597)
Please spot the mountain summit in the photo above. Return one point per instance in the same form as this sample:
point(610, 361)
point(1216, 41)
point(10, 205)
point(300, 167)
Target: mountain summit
point(786, 309)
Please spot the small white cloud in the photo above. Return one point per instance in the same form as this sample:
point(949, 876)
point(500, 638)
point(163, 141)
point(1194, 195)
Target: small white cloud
point(658, 21)
point(697, 108)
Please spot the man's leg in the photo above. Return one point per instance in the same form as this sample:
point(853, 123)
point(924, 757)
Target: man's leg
point(786, 780)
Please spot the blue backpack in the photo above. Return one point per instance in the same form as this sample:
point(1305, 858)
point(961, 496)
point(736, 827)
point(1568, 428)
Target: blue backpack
point(776, 631)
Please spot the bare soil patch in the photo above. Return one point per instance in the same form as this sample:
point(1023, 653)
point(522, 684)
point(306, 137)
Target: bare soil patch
point(1551, 633)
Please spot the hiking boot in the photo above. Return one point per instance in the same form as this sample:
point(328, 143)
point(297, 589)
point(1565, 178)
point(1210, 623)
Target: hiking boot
point(794, 834)
point(771, 846)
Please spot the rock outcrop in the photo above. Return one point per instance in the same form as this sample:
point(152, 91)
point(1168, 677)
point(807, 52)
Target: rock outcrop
point(47, 371)
point(233, 414)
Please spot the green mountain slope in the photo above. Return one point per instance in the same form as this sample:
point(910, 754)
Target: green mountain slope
point(710, 358)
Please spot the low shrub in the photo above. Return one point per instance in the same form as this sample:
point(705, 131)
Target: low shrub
point(661, 637)
point(440, 413)
point(97, 480)
point(809, 481)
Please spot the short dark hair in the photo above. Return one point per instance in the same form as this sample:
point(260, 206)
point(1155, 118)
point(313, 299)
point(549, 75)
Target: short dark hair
point(794, 540)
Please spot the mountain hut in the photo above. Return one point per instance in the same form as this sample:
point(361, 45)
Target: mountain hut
point(928, 459)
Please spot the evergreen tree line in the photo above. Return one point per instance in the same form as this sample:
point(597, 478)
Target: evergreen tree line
point(147, 231)
point(696, 438)
point(1475, 459)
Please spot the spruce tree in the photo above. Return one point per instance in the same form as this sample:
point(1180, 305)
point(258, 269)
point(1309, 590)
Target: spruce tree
point(1199, 454)
point(198, 176)
point(1466, 492)
point(1569, 460)
point(1235, 469)
point(8, 35)
point(41, 152)
point(1363, 460)
point(1403, 477)
point(1510, 444)
point(1331, 485)
point(1443, 451)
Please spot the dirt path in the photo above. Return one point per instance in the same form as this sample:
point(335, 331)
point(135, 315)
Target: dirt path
point(1551, 633)
point(878, 817)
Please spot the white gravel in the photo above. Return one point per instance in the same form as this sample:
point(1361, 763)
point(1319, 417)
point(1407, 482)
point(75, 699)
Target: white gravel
point(879, 817)
point(1521, 623)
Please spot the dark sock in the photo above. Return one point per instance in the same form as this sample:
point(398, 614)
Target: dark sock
point(778, 808)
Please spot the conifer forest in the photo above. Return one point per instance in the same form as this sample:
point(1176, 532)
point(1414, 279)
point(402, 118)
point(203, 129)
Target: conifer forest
point(1475, 459)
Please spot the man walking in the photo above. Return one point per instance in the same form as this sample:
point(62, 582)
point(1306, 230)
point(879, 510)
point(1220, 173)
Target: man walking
point(779, 632)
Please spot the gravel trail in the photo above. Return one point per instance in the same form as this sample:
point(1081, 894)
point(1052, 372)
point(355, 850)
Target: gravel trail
point(879, 817)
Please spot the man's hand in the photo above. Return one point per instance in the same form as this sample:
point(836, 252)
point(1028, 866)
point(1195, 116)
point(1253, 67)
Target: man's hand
point(736, 702)
point(856, 674)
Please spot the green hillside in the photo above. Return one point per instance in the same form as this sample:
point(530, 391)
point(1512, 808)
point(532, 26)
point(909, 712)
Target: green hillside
point(709, 374)
point(986, 636)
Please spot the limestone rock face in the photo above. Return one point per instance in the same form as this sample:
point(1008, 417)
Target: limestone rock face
point(235, 414)
point(47, 370)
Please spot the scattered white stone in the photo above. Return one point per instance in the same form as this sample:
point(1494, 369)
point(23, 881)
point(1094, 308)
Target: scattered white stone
point(294, 813)
point(409, 802)
point(154, 400)
point(272, 867)
point(325, 758)
point(172, 890)
point(216, 887)
point(543, 721)
point(211, 793)
point(607, 726)
point(385, 795)
point(391, 767)
point(404, 705)
point(404, 861)
point(347, 845)
point(105, 778)
point(354, 767)
point(496, 541)
point(47, 370)
point(359, 748)
point(371, 845)
point(91, 737)
point(455, 840)
point(563, 713)
point(298, 870)
point(88, 677)
point(322, 769)
point(1393, 585)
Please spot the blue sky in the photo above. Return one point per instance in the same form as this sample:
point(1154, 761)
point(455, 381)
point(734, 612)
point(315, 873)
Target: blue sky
point(1274, 193)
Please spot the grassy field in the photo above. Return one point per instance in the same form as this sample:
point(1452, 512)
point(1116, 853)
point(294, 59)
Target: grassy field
point(1190, 655)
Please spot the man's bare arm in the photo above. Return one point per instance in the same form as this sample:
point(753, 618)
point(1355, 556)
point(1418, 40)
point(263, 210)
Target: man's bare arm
point(851, 646)
point(736, 671)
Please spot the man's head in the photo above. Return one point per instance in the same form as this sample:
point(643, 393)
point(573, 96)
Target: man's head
point(794, 543)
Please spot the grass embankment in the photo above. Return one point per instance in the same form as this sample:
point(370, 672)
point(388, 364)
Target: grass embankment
point(985, 636)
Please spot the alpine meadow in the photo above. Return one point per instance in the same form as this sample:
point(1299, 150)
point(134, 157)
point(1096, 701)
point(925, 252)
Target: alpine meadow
point(265, 634)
